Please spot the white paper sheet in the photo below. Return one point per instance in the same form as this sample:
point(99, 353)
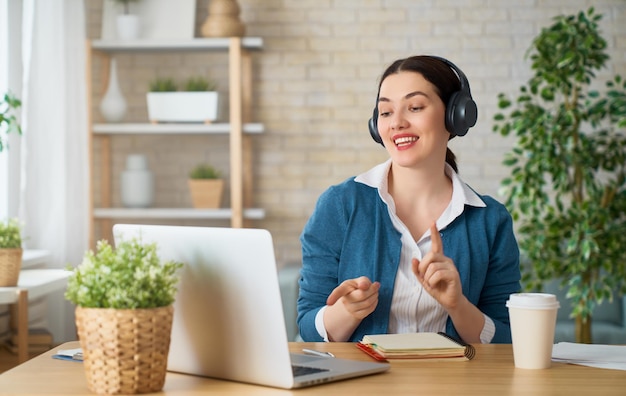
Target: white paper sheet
point(593, 355)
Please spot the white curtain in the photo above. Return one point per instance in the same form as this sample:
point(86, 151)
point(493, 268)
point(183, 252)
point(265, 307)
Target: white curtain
point(54, 183)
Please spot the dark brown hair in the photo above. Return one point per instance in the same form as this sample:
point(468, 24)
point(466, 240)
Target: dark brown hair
point(435, 71)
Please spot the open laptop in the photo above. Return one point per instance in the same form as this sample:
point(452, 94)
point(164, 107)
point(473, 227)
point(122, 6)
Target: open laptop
point(228, 315)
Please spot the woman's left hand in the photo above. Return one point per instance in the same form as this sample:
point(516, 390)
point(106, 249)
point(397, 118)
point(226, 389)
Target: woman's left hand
point(438, 274)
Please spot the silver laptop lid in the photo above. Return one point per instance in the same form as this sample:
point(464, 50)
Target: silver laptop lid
point(228, 317)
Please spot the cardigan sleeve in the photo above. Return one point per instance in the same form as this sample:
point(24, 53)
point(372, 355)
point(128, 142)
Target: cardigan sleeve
point(321, 239)
point(483, 246)
point(503, 276)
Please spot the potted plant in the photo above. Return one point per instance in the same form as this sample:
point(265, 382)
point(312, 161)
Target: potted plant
point(206, 186)
point(197, 103)
point(8, 120)
point(128, 25)
point(124, 298)
point(10, 252)
point(567, 189)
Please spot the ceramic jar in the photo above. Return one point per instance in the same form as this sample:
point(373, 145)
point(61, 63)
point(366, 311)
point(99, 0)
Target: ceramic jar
point(137, 183)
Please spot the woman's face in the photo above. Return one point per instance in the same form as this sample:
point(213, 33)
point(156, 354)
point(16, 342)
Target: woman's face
point(411, 120)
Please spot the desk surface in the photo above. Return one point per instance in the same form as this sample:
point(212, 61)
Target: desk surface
point(491, 373)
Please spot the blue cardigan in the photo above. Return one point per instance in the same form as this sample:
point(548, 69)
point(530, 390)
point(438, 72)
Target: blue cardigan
point(350, 234)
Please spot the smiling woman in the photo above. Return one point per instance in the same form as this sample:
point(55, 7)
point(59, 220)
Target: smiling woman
point(397, 239)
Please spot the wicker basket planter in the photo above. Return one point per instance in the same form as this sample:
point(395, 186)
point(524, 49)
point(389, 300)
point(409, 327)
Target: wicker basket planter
point(10, 266)
point(125, 350)
point(206, 193)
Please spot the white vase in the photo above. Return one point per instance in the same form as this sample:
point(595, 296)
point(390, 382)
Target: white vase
point(137, 183)
point(128, 27)
point(113, 105)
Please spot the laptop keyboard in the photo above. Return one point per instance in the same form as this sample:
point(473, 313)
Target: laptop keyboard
point(305, 370)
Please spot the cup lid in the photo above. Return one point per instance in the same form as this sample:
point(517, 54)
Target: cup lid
point(533, 301)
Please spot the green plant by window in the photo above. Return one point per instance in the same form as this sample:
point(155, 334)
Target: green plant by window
point(8, 121)
point(163, 84)
point(199, 84)
point(130, 276)
point(10, 234)
point(567, 188)
point(204, 171)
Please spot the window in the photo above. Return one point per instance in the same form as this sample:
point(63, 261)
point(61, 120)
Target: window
point(10, 80)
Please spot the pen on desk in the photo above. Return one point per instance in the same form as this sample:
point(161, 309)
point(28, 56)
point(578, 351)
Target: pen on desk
point(317, 353)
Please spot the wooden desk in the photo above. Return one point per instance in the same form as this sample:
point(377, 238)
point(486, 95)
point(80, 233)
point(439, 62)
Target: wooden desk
point(490, 373)
point(32, 284)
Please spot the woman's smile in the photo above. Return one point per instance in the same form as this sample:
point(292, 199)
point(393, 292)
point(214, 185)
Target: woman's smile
point(404, 142)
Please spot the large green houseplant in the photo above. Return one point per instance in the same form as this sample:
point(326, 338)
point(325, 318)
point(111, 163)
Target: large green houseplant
point(567, 188)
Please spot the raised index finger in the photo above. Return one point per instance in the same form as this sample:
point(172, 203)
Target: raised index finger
point(436, 242)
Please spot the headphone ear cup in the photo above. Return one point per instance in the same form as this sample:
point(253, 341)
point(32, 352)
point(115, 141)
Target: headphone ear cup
point(372, 124)
point(461, 113)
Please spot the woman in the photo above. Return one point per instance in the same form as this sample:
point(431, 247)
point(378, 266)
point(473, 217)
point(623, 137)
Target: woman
point(407, 246)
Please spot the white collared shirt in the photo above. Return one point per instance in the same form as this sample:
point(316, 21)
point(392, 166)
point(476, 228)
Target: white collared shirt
point(413, 309)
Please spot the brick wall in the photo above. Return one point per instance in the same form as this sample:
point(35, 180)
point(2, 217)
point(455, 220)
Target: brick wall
point(315, 85)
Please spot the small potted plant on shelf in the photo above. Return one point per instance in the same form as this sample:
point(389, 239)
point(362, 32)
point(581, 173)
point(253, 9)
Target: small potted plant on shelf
point(124, 312)
point(10, 252)
point(8, 121)
point(196, 103)
point(206, 186)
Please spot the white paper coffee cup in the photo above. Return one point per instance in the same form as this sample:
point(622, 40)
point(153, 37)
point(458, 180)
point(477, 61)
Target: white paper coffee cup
point(533, 318)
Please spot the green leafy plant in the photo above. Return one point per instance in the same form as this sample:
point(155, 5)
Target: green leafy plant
point(193, 84)
point(10, 234)
point(130, 276)
point(204, 171)
point(8, 121)
point(126, 4)
point(567, 186)
point(199, 84)
point(163, 84)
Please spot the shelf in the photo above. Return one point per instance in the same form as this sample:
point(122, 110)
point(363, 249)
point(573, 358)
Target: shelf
point(216, 44)
point(239, 142)
point(175, 213)
point(173, 128)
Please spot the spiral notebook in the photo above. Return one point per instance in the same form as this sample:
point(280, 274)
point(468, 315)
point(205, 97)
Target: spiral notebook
point(427, 345)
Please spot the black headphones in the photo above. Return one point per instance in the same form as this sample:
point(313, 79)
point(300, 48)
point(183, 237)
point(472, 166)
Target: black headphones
point(461, 110)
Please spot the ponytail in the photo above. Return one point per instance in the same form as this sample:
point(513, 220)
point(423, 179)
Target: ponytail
point(451, 160)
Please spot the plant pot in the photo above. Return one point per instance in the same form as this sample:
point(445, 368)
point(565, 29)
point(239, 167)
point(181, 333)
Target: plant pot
point(125, 350)
point(128, 27)
point(10, 266)
point(182, 106)
point(206, 193)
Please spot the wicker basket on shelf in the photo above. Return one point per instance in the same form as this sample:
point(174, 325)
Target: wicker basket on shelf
point(10, 266)
point(125, 350)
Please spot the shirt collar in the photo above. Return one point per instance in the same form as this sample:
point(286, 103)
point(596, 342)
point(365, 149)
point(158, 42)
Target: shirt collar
point(462, 194)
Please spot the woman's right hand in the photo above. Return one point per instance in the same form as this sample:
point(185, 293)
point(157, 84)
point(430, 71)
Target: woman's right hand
point(348, 304)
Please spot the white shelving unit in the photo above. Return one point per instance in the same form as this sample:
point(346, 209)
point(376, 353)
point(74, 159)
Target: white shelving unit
point(238, 127)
